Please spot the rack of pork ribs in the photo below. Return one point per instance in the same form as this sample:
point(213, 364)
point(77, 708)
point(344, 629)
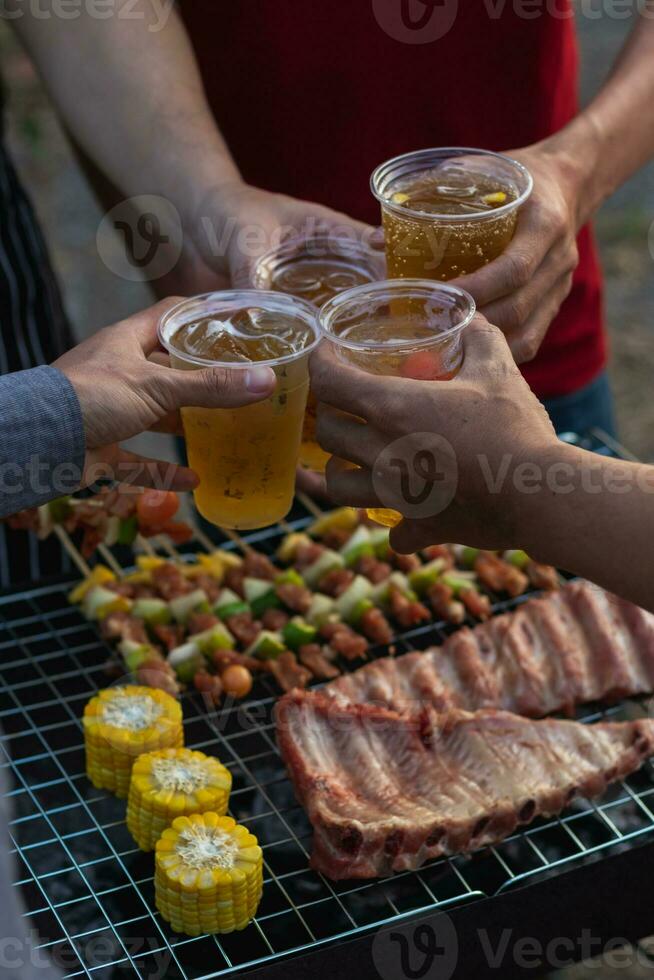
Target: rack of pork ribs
point(442, 752)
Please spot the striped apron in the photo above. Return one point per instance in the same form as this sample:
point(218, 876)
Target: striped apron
point(33, 330)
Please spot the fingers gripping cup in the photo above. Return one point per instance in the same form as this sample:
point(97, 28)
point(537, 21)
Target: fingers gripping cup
point(315, 269)
point(446, 212)
point(245, 457)
point(406, 328)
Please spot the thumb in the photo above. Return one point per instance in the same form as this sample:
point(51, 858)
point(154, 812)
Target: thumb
point(484, 345)
point(213, 387)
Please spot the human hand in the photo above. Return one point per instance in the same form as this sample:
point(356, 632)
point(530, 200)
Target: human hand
point(476, 430)
point(523, 289)
point(239, 223)
point(235, 224)
point(124, 389)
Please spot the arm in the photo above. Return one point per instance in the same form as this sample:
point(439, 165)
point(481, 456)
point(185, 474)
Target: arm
point(501, 479)
point(614, 136)
point(574, 171)
point(130, 94)
point(600, 524)
point(128, 89)
point(61, 426)
point(42, 438)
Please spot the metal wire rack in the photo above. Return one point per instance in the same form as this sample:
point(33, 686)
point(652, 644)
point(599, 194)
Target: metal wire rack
point(90, 891)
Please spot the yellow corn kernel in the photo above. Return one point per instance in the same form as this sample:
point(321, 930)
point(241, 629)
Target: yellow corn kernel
point(208, 874)
point(99, 576)
point(122, 723)
point(171, 784)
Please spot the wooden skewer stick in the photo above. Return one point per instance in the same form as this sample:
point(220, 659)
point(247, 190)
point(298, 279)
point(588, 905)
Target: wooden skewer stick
point(110, 560)
point(238, 540)
point(165, 545)
point(204, 539)
point(145, 545)
point(309, 504)
point(71, 550)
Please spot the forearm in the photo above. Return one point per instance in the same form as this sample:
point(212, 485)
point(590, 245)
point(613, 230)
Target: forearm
point(614, 136)
point(129, 91)
point(594, 517)
point(42, 439)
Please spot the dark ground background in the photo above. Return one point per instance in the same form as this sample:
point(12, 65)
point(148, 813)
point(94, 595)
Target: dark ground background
point(71, 217)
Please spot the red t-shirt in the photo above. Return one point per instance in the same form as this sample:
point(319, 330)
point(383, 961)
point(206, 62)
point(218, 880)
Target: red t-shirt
point(311, 97)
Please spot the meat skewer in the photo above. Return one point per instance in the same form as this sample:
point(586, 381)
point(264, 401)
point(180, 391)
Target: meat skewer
point(113, 516)
point(540, 576)
point(185, 610)
point(265, 612)
point(326, 569)
point(512, 573)
point(494, 572)
point(375, 559)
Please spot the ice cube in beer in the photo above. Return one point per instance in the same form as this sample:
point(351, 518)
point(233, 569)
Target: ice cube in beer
point(243, 335)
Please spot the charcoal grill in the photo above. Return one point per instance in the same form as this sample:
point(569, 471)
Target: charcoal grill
point(89, 890)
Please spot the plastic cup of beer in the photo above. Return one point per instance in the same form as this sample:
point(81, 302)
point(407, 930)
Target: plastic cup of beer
point(407, 328)
point(315, 268)
point(245, 457)
point(448, 211)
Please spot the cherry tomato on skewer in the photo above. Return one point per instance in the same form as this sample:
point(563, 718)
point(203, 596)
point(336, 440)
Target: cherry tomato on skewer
point(156, 507)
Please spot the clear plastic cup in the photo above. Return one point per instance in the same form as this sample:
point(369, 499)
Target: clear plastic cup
point(246, 457)
point(409, 328)
point(448, 211)
point(315, 269)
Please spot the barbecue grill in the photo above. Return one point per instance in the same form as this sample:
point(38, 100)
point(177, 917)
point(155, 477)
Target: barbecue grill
point(89, 890)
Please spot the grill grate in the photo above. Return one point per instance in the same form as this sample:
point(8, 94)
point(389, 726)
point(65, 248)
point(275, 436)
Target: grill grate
point(90, 891)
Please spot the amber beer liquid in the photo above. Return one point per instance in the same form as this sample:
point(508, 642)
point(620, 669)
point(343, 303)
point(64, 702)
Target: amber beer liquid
point(409, 328)
point(245, 457)
point(316, 269)
point(447, 212)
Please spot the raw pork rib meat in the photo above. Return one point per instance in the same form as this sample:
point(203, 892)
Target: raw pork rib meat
point(572, 646)
point(386, 792)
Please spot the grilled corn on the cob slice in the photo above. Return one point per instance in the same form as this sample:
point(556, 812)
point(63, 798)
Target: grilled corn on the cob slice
point(122, 723)
point(208, 875)
point(172, 783)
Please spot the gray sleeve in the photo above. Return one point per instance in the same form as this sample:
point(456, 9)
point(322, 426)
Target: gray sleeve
point(41, 438)
point(19, 958)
